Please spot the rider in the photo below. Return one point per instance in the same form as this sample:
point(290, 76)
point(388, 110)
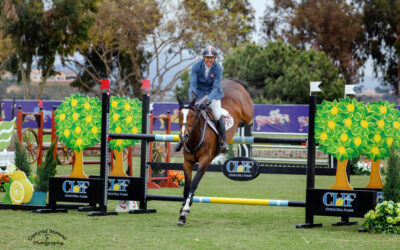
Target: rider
point(205, 79)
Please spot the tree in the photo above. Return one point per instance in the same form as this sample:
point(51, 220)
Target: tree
point(332, 26)
point(78, 125)
point(114, 50)
point(281, 72)
point(381, 18)
point(182, 92)
point(39, 31)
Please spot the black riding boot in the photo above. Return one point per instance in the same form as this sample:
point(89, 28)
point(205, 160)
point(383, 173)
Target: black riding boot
point(221, 129)
point(178, 146)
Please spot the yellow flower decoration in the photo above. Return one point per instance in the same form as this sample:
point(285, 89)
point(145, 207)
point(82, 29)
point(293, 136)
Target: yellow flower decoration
point(74, 102)
point(364, 124)
point(129, 119)
point(344, 137)
point(135, 130)
point(118, 129)
point(88, 119)
point(114, 104)
point(323, 136)
point(348, 122)
point(62, 117)
point(331, 124)
point(78, 142)
point(127, 107)
point(389, 141)
point(350, 107)
point(396, 124)
point(119, 142)
point(377, 138)
point(357, 141)
point(381, 123)
point(78, 130)
point(115, 117)
point(67, 132)
point(342, 150)
point(383, 109)
point(334, 110)
point(75, 116)
point(375, 150)
point(87, 105)
point(95, 130)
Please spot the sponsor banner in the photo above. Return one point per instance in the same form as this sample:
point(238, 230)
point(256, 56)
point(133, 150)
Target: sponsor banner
point(241, 169)
point(76, 189)
point(125, 188)
point(351, 203)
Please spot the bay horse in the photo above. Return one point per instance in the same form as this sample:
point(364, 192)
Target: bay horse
point(201, 143)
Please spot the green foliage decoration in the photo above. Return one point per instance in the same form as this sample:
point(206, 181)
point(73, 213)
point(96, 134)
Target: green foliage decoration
point(125, 117)
point(21, 158)
point(47, 170)
point(391, 189)
point(78, 121)
point(384, 219)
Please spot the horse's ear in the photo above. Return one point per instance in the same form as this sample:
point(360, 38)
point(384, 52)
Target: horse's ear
point(193, 102)
point(179, 101)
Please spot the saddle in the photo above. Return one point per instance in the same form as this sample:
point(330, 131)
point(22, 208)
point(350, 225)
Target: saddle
point(212, 123)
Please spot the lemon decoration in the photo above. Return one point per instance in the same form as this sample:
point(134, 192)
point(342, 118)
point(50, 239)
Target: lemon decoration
point(66, 132)
point(135, 130)
point(389, 141)
point(95, 130)
point(21, 190)
point(75, 116)
point(74, 102)
point(78, 130)
point(339, 202)
point(350, 107)
point(375, 150)
point(364, 124)
point(78, 142)
point(116, 187)
point(118, 129)
point(88, 119)
point(334, 110)
point(119, 141)
point(357, 141)
point(127, 106)
point(344, 137)
point(114, 104)
point(331, 124)
point(377, 138)
point(396, 124)
point(383, 109)
point(342, 150)
point(62, 117)
point(323, 136)
point(115, 117)
point(128, 119)
point(381, 123)
point(348, 122)
point(86, 105)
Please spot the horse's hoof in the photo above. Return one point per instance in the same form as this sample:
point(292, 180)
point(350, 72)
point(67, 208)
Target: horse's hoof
point(181, 221)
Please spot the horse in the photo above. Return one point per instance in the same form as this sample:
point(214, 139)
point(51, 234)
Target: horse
point(201, 143)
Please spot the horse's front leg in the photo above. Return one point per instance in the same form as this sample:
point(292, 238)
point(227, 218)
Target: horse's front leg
point(188, 199)
point(187, 169)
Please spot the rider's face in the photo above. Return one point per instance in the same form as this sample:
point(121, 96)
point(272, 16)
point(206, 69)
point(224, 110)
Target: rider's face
point(209, 61)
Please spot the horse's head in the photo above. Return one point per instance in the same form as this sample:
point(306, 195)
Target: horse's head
point(186, 119)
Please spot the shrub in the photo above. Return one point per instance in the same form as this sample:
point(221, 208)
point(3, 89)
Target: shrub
point(47, 170)
point(391, 189)
point(21, 158)
point(384, 219)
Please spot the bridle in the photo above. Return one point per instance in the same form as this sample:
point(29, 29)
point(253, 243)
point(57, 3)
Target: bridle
point(192, 127)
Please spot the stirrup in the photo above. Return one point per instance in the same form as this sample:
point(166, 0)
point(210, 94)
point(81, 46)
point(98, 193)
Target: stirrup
point(178, 146)
point(224, 147)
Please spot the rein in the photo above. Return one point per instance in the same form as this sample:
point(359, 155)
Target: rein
point(201, 113)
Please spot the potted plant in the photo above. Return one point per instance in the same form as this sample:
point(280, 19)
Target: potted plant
point(43, 173)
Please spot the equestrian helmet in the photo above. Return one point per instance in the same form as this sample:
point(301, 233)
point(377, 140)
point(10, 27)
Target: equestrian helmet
point(210, 51)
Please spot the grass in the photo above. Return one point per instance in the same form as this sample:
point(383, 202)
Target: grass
point(210, 226)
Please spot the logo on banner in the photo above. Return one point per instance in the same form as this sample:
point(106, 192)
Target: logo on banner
point(241, 169)
point(118, 184)
point(75, 187)
point(340, 200)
